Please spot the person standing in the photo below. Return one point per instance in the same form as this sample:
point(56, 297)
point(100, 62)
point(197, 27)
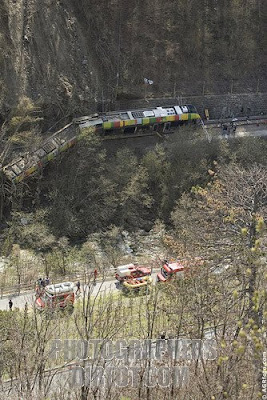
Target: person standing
point(78, 284)
point(234, 129)
point(95, 275)
point(10, 304)
point(224, 130)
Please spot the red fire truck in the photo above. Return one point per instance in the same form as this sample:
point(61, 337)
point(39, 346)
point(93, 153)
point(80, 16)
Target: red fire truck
point(170, 270)
point(57, 296)
point(128, 271)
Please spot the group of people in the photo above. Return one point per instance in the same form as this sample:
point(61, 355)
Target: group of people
point(228, 129)
point(43, 282)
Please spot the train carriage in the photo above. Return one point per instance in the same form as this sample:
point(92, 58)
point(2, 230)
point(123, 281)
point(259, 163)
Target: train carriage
point(120, 122)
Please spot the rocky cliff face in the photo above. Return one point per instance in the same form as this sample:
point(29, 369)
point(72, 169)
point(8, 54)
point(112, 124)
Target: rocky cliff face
point(71, 55)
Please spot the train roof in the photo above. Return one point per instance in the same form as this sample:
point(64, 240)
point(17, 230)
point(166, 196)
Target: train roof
point(133, 113)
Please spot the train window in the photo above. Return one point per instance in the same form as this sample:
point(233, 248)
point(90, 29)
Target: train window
point(170, 111)
point(191, 109)
point(137, 114)
point(48, 147)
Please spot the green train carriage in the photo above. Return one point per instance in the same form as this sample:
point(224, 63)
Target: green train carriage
point(121, 122)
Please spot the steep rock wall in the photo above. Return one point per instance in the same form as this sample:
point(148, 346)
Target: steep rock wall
point(73, 54)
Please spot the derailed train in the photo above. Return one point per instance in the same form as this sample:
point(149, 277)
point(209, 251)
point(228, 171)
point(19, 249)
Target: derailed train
point(124, 122)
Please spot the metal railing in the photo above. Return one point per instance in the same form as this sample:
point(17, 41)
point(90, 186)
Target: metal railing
point(25, 287)
point(106, 274)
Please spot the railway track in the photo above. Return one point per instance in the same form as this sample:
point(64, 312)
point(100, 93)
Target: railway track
point(114, 129)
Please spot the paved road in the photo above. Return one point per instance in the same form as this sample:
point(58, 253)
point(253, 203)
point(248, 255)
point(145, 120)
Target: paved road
point(253, 130)
point(20, 301)
point(243, 130)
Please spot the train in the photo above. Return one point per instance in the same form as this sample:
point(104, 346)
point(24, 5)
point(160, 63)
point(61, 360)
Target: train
point(162, 118)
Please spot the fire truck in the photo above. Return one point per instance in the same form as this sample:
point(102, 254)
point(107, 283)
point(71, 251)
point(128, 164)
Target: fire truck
point(170, 270)
point(129, 271)
point(55, 297)
point(174, 268)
